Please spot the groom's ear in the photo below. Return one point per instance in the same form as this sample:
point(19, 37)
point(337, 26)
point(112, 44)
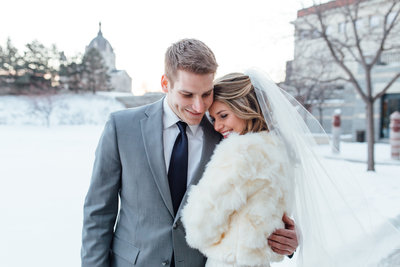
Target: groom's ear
point(164, 83)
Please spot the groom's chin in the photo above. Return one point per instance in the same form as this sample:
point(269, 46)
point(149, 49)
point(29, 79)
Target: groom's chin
point(193, 122)
point(193, 119)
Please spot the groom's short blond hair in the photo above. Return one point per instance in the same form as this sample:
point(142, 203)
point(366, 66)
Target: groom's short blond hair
point(189, 55)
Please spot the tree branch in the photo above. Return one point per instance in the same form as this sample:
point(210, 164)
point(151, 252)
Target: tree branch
point(381, 93)
point(353, 21)
point(386, 31)
point(340, 62)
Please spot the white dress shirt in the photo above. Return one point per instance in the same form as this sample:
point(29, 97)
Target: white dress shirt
point(171, 131)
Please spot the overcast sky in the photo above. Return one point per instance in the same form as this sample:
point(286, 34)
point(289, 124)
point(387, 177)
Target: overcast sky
point(241, 33)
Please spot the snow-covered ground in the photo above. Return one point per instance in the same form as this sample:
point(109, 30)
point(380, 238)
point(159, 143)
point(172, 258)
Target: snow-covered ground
point(45, 173)
point(63, 109)
point(44, 176)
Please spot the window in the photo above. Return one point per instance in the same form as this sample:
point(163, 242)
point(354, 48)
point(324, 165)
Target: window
point(359, 24)
point(374, 21)
point(390, 103)
point(329, 30)
point(315, 34)
point(342, 27)
point(304, 34)
point(390, 17)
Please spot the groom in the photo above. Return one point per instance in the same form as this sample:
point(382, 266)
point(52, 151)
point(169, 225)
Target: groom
point(132, 208)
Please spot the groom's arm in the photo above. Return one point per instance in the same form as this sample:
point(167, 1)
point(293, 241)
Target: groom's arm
point(284, 241)
point(101, 203)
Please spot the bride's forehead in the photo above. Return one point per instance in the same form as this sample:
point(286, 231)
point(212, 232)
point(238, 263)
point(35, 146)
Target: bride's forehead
point(218, 106)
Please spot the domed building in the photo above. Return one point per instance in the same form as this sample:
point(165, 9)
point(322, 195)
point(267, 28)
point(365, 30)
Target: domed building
point(119, 79)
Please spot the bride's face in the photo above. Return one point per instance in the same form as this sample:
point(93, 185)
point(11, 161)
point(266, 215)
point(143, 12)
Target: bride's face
point(225, 121)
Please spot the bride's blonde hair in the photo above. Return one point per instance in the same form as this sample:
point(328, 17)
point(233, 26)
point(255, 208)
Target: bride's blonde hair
point(236, 91)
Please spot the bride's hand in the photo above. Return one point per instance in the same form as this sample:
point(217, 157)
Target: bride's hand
point(284, 241)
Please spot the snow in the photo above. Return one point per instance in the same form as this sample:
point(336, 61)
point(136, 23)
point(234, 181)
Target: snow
point(44, 177)
point(45, 173)
point(357, 152)
point(63, 109)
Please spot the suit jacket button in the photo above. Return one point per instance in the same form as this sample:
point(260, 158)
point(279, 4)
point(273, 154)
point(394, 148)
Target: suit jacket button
point(165, 263)
point(175, 226)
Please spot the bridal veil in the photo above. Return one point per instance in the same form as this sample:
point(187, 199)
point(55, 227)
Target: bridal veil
point(334, 227)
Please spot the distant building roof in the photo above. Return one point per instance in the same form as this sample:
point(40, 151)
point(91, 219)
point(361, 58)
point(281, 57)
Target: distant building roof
point(326, 6)
point(100, 42)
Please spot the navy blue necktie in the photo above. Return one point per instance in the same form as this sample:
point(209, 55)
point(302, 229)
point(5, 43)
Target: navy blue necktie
point(178, 167)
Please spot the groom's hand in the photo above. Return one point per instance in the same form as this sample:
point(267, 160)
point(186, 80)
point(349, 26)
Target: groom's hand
point(284, 241)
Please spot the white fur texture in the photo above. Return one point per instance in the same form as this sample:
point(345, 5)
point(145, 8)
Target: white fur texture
point(240, 201)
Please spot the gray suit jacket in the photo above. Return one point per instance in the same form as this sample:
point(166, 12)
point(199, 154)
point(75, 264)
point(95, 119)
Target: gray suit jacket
point(129, 181)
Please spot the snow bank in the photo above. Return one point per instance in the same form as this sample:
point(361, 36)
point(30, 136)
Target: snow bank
point(65, 109)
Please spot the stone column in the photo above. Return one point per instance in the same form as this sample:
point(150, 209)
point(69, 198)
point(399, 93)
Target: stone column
point(395, 135)
point(336, 131)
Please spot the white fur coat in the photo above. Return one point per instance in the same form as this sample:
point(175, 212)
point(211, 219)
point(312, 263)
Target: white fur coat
point(240, 201)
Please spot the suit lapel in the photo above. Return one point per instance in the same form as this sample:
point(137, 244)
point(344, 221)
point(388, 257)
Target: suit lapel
point(210, 140)
point(152, 132)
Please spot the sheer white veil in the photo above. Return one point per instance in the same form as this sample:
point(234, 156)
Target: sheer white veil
point(333, 228)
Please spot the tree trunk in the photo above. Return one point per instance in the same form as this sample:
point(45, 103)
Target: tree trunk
point(370, 135)
point(47, 121)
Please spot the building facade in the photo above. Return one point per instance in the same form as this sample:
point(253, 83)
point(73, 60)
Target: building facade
point(119, 79)
point(356, 29)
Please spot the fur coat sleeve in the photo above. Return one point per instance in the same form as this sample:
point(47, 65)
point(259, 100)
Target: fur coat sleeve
point(240, 201)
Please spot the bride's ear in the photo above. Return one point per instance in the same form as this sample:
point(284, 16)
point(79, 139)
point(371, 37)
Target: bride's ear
point(164, 83)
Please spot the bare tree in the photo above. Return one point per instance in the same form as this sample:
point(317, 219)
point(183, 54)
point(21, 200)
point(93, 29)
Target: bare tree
point(43, 105)
point(325, 91)
point(309, 83)
point(357, 47)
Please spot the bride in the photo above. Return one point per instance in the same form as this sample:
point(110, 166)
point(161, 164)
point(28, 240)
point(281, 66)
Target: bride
point(266, 169)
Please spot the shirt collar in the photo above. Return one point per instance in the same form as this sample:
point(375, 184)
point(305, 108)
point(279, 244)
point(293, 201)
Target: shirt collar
point(170, 118)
